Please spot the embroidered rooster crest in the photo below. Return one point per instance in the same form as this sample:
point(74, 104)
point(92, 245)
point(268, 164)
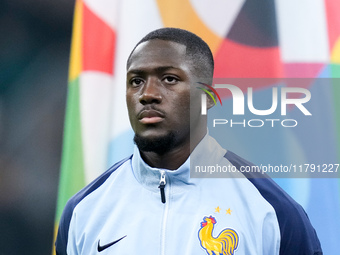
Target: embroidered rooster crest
point(226, 242)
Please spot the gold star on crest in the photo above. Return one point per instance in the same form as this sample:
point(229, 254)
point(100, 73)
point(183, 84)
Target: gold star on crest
point(228, 211)
point(217, 209)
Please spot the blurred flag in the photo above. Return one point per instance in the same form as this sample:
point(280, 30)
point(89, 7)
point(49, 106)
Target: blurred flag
point(249, 39)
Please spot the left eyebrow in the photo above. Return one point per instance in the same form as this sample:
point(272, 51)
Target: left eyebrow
point(158, 69)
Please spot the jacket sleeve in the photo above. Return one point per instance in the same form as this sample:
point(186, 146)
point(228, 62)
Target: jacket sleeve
point(298, 236)
point(63, 237)
point(64, 225)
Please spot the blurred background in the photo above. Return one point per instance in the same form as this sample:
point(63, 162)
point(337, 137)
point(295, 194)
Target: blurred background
point(249, 38)
point(35, 38)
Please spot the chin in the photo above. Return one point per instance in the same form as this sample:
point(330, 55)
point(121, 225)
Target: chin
point(159, 144)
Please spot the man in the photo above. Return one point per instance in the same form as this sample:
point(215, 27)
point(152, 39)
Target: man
point(147, 204)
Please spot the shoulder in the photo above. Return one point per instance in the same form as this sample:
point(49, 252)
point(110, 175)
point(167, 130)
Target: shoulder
point(297, 234)
point(62, 236)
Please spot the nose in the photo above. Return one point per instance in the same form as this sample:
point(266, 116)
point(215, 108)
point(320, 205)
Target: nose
point(151, 92)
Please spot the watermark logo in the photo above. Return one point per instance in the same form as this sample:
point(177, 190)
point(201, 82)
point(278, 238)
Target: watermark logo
point(240, 102)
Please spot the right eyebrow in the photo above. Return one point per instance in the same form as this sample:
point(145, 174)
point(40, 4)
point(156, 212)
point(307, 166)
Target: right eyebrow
point(136, 71)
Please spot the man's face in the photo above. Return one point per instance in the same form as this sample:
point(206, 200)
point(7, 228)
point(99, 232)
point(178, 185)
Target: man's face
point(158, 95)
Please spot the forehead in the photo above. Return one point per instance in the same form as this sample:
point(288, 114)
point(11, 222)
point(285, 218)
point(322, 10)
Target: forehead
point(155, 53)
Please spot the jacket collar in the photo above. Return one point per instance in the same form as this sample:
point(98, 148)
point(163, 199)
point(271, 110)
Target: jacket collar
point(208, 151)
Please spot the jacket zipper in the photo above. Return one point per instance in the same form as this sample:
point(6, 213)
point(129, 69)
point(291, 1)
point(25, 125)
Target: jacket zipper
point(161, 186)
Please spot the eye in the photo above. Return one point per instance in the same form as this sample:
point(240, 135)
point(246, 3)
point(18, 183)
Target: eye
point(136, 82)
point(170, 80)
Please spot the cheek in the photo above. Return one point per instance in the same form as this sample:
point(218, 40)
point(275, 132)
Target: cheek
point(128, 103)
point(131, 106)
point(183, 100)
point(131, 99)
point(195, 101)
point(182, 106)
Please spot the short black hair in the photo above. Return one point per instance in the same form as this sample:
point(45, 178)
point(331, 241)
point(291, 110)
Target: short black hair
point(197, 50)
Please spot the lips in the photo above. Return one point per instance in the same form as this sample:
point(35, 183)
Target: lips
point(150, 116)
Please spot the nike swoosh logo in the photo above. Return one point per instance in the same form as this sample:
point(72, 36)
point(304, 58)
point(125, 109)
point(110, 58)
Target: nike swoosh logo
point(101, 248)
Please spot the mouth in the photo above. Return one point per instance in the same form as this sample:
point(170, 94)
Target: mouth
point(150, 116)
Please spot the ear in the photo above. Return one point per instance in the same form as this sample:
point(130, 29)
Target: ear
point(210, 101)
point(210, 94)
